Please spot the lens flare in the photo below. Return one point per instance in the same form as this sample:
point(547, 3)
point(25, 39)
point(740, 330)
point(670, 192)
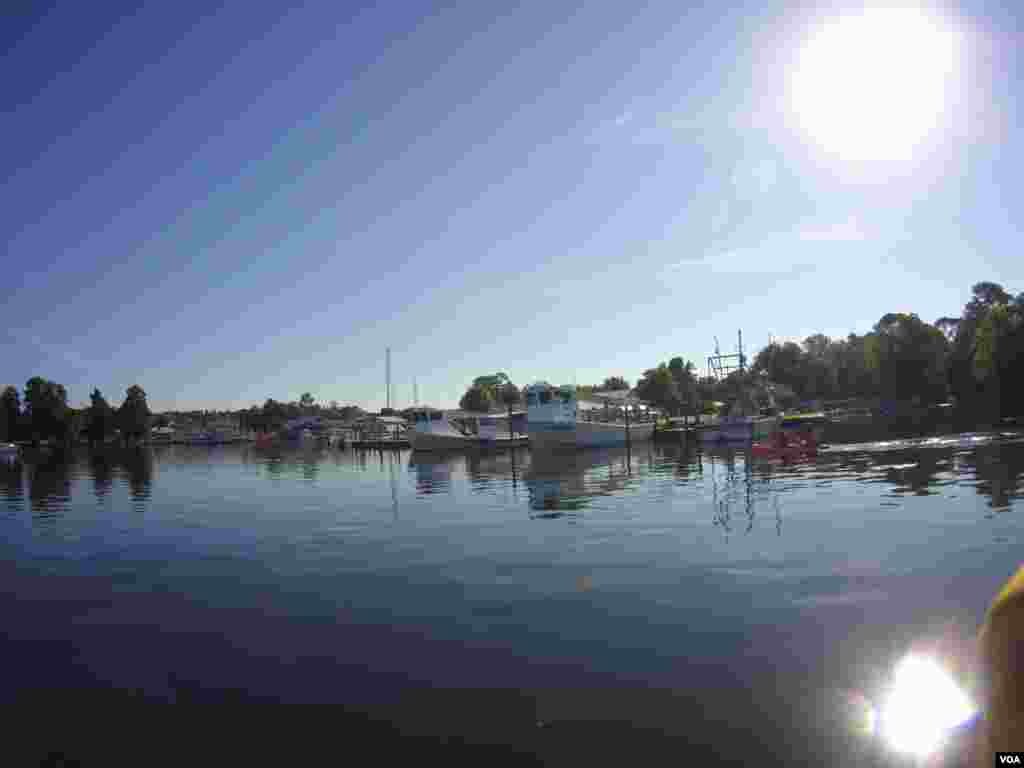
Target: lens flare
point(922, 706)
point(871, 86)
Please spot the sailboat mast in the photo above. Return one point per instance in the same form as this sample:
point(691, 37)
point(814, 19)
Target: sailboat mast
point(387, 358)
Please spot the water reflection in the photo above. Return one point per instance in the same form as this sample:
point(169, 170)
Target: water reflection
point(12, 484)
point(102, 473)
point(138, 466)
point(433, 472)
point(737, 487)
point(49, 486)
point(561, 483)
point(998, 469)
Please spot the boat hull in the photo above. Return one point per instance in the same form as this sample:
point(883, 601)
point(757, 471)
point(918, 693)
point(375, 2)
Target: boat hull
point(427, 441)
point(744, 431)
point(585, 434)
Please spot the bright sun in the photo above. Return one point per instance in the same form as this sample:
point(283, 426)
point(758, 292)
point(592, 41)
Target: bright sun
point(873, 85)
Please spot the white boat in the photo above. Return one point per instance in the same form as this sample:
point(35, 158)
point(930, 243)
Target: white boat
point(552, 420)
point(433, 431)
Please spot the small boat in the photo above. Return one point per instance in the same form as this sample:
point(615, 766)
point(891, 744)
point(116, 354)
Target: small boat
point(738, 429)
point(432, 431)
point(793, 449)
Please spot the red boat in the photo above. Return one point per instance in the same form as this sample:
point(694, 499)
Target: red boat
point(794, 449)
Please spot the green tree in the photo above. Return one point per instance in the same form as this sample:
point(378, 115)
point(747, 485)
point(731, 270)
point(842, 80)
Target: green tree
point(986, 369)
point(100, 418)
point(10, 414)
point(46, 409)
point(477, 399)
point(306, 402)
point(272, 416)
point(908, 358)
point(660, 388)
point(615, 384)
point(685, 377)
point(486, 392)
point(133, 416)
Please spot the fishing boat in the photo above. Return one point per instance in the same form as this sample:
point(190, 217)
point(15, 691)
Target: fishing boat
point(434, 431)
point(552, 420)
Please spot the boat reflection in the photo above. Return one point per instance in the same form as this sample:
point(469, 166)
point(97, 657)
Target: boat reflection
point(433, 471)
point(739, 488)
point(562, 483)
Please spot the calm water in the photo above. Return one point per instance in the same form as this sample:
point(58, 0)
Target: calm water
point(698, 598)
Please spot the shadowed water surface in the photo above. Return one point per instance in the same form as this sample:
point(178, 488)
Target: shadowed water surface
point(679, 599)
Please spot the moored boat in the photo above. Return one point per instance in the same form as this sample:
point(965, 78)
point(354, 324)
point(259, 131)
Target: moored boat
point(739, 429)
point(794, 450)
point(433, 431)
point(552, 420)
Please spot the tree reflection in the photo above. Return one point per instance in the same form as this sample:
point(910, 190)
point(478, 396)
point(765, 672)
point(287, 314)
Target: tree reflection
point(12, 483)
point(101, 470)
point(998, 470)
point(138, 466)
point(49, 485)
point(916, 471)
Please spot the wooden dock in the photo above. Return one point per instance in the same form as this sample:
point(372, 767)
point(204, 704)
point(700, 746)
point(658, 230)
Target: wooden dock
point(380, 444)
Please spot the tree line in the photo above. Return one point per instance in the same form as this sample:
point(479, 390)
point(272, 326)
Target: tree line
point(44, 414)
point(975, 360)
point(273, 415)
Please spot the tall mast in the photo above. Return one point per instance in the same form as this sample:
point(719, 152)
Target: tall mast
point(387, 357)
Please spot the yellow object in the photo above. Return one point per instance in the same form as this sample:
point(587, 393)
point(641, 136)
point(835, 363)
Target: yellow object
point(1001, 646)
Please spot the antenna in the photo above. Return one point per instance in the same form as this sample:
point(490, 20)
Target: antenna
point(387, 360)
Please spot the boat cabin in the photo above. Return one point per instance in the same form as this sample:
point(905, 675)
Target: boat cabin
point(547, 404)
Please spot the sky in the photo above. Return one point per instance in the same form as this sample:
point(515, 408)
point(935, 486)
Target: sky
point(229, 202)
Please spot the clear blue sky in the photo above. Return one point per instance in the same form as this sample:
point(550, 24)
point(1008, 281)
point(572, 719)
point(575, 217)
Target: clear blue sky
point(225, 202)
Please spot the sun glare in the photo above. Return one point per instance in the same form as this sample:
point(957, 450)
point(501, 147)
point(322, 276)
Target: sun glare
point(871, 86)
point(922, 706)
